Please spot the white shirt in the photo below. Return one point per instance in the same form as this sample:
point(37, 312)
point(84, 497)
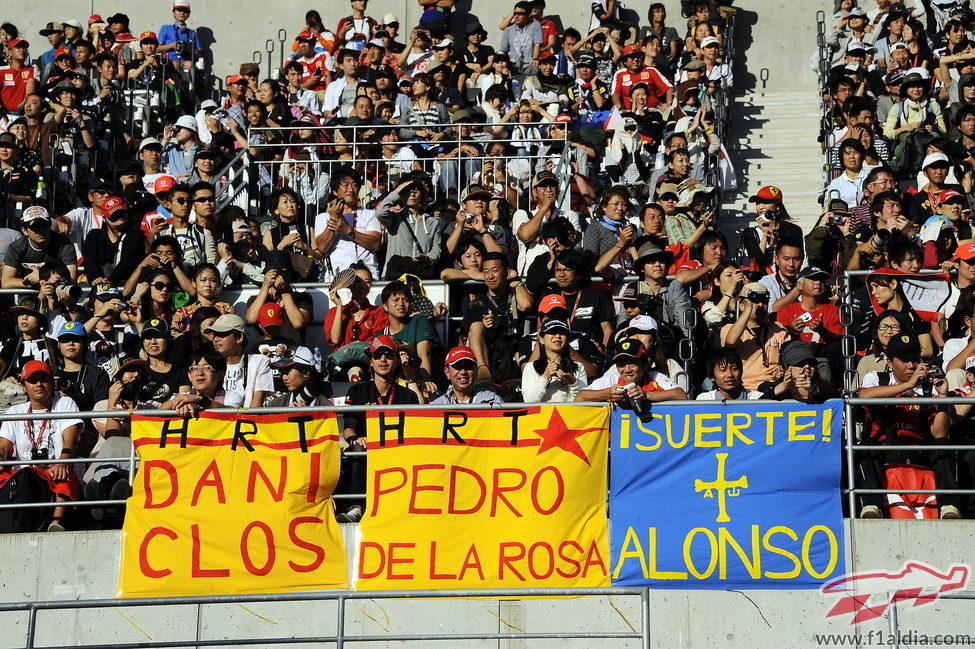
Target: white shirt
point(535, 389)
point(715, 395)
point(345, 251)
point(83, 220)
point(53, 430)
point(528, 252)
point(259, 379)
point(612, 378)
point(951, 349)
point(850, 189)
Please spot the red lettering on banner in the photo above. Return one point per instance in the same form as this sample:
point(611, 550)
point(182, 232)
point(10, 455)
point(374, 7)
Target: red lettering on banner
point(594, 558)
point(170, 470)
point(472, 561)
point(317, 550)
point(195, 569)
point(417, 487)
point(257, 470)
point(433, 565)
point(559, 494)
point(393, 560)
point(504, 559)
point(144, 566)
point(210, 478)
point(314, 477)
point(499, 491)
point(452, 491)
point(548, 559)
point(245, 553)
point(377, 489)
point(576, 565)
point(365, 548)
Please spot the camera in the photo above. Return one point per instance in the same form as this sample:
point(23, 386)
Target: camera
point(646, 301)
point(64, 385)
point(65, 291)
point(837, 219)
point(180, 46)
point(880, 240)
point(567, 365)
point(134, 390)
point(39, 454)
point(756, 296)
point(641, 407)
point(935, 372)
point(771, 215)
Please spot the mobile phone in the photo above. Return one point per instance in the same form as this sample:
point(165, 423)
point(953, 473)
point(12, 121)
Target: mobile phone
point(292, 229)
point(805, 317)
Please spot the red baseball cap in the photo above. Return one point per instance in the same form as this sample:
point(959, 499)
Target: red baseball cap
point(632, 48)
point(965, 251)
point(94, 18)
point(112, 205)
point(18, 42)
point(563, 118)
point(124, 37)
point(146, 36)
point(767, 194)
point(459, 355)
point(948, 194)
point(305, 36)
point(35, 367)
point(271, 314)
point(163, 184)
point(553, 301)
point(544, 56)
point(62, 51)
point(383, 342)
point(236, 78)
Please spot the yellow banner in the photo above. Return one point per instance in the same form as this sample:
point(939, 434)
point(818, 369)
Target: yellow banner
point(230, 504)
point(485, 499)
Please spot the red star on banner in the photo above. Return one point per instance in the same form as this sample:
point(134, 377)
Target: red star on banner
point(558, 435)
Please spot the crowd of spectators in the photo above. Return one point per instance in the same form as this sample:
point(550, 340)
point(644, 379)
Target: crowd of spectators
point(898, 121)
point(555, 183)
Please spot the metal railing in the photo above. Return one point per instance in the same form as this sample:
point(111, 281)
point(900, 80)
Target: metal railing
point(341, 636)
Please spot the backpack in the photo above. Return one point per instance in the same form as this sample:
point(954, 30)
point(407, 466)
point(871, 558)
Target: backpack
point(24, 486)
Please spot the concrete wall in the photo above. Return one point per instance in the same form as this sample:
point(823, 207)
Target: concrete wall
point(83, 565)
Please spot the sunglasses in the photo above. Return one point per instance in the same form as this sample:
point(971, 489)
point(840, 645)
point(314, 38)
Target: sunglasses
point(39, 378)
point(162, 286)
point(181, 200)
point(223, 334)
point(205, 199)
point(518, 13)
point(38, 226)
point(384, 353)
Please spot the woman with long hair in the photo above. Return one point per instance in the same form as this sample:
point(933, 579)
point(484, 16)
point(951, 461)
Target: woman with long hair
point(154, 295)
point(554, 377)
point(288, 231)
point(165, 375)
point(426, 112)
point(772, 225)
point(722, 306)
point(888, 294)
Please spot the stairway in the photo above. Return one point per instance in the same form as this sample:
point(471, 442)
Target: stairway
point(773, 142)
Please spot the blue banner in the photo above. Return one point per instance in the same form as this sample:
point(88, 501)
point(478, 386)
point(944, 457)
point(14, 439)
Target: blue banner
point(727, 496)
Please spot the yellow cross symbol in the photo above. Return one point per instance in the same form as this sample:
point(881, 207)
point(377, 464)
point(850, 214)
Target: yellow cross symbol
point(723, 486)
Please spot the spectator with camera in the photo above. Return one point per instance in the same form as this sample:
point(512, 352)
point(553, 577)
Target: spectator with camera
point(590, 313)
point(240, 259)
point(206, 288)
point(39, 245)
point(36, 441)
point(634, 383)
point(924, 425)
point(801, 379)
point(179, 43)
point(303, 387)
point(105, 341)
point(755, 338)
point(180, 143)
point(347, 232)
point(668, 301)
point(277, 288)
point(556, 236)
point(553, 377)
point(829, 243)
point(494, 322)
